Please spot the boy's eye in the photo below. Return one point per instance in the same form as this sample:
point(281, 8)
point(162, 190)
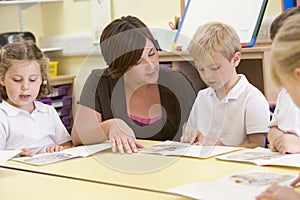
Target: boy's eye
point(32, 80)
point(215, 68)
point(16, 80)
point(200, 69)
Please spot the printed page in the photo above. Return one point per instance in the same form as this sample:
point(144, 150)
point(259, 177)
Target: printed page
point(87, 150)
point(5, 155)
point(171, 148)
point(45, 158)
point(75, 152)
point(262, 156)
point(244, 185)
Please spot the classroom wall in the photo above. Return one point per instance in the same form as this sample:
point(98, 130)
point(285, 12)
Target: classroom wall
point(73, 16)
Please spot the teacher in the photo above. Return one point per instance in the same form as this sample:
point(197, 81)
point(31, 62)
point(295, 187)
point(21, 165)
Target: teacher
point(133, 97)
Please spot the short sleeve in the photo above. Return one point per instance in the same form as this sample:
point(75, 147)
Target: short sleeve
point(88, 93)
point(3, 132)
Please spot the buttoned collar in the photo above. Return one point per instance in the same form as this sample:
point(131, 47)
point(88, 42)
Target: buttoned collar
point(235, 92)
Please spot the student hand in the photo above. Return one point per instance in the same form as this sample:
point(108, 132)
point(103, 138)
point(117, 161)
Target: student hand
point(287, 143)
point(296, 181)
point(191, 136)
point(25, 152)
point(210, 140)
point(122, 138)
point(54, 148)
point(276, 192)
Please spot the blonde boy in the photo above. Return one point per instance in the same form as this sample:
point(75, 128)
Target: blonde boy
point(230, 111)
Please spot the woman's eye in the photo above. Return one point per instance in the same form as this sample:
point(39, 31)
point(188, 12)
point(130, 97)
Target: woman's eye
point(32, 80)
point(138, 62)
point(151, 54)
point(17, 80)
point(200, 69)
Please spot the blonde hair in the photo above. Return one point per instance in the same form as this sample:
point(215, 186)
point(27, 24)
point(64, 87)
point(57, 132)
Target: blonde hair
point(215, 36)
point(24, 51)
point(285, 52)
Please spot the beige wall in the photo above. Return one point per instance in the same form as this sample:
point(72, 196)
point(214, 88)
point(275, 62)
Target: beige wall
point(73, 16)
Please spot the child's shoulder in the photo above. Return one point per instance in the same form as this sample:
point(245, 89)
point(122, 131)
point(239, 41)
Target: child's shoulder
point(44, 107)
point(247, 87)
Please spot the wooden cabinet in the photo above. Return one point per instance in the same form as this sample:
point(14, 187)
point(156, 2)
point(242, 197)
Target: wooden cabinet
point(254, 64)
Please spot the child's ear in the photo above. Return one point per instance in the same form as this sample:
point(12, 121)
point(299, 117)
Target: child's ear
point(236, 59)
point(2, 82)
point(297, 72)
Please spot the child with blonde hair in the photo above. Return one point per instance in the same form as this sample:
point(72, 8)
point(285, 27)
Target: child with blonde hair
point(284, 133)
point(27, 124)
point(231, 111)
point(285, 72)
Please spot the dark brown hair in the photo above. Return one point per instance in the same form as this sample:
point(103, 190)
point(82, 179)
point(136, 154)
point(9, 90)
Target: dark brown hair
point(26, 51)
point(122, 43)
point(280, 19)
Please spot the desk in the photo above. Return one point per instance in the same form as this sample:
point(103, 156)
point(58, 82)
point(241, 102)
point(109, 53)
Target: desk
point(23, 185)
point(254, 64)
point(146, 171)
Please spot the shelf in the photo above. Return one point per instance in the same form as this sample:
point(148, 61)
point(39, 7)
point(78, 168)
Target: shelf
point(23, 4)
point(18, 2)
point(61, 80)
point(51, 49)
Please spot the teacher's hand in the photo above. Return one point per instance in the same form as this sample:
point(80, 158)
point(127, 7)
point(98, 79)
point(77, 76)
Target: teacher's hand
point(122, 137)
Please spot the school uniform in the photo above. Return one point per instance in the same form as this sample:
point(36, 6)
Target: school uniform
point(286, 114)
point(36, 131)
point(242, 112)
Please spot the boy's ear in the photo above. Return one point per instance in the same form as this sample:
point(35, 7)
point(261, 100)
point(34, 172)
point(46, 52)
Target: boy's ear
point(297, 72)
point(236, 59)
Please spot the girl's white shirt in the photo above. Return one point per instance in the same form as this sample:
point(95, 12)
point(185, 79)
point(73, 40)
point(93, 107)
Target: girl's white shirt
point(36, 131)
point(286, 115)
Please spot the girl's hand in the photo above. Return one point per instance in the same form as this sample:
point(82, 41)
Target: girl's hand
point(287, 143)
point(122, 138)
point(25, 152)
point(276, 192)
point(54, 148)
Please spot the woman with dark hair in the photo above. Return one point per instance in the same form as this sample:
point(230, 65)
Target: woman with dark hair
point(133, 97)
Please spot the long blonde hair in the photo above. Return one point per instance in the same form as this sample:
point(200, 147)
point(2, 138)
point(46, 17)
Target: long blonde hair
point(285, 53)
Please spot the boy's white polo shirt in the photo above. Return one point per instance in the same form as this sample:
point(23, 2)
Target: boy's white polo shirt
point(286, 115)
point(36, 131)
point(243, 111)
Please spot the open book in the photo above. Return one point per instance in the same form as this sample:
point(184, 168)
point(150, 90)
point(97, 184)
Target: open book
point(171, 148)
point(245, 185)
point(262, 156)
point(75, 152)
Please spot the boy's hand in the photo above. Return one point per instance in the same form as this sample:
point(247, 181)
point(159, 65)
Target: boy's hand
point(54, 148)
point(25, 152)
point(210, 140)
point(191, 136)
